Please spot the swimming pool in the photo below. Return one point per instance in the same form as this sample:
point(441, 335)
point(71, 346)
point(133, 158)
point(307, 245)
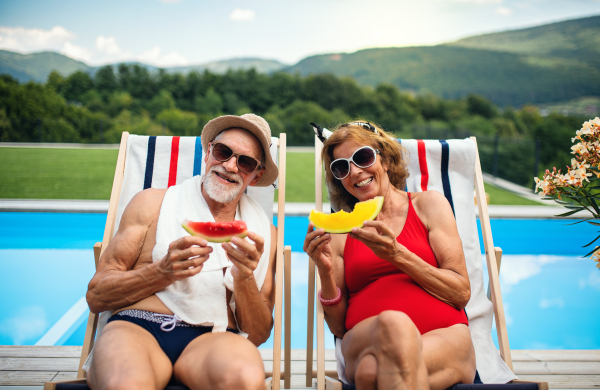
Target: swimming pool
point(551, 296)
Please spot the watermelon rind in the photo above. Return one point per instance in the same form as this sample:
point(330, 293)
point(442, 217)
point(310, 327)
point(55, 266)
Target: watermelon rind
point(212, 238)
point(315, 216)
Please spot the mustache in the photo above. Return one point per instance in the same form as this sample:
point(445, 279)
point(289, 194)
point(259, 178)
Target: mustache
point(231, 176)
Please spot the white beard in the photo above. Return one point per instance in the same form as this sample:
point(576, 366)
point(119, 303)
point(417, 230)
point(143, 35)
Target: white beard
point(218, 191)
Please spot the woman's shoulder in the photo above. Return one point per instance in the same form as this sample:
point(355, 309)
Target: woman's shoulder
point(430, 204)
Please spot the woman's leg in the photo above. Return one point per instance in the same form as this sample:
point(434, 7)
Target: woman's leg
point(387, 352)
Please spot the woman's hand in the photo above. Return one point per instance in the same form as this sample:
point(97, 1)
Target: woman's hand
point(317, 246)
point(382, 242)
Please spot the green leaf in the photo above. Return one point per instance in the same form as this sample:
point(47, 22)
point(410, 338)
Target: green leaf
point(594, 240)
point(593, 250)
point(594, 223)
point(570, 212)
point(583, 220)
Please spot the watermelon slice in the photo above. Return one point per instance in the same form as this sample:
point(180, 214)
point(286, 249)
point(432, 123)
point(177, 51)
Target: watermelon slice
point(216, 231)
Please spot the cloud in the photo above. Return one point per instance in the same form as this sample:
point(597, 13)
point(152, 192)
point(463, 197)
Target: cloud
point(299, 269)
point(76, 52)
point(107, 45)
point(549, 303)
point(29, 323)
point(154, 57)
point(516, 268)
point(504, 11)
point(478, 1)
point(28, 40)
point(242, 15)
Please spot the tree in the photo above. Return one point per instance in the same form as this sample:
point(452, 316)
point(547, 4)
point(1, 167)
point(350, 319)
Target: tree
point(105, 80)
point(162, 101)
point(211, 103)
point(478, 105)
point(76, 85)
point(55, 81)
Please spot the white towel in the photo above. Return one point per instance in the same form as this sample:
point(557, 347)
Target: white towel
point(201, 299)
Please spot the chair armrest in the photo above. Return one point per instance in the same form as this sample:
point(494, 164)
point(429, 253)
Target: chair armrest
point(52, 385)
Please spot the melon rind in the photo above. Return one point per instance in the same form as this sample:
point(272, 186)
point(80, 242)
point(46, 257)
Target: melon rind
point(212, 239)
point(343, 222)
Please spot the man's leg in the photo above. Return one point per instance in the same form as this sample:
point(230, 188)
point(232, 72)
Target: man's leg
point(127, 356)
point(220, 361)
point(388, 352)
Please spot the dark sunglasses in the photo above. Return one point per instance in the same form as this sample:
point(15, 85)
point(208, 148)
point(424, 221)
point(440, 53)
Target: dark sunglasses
point(223, 153)
point(362, 158)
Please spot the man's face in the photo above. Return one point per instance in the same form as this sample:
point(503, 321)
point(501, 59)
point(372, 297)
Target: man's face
point(224, 181)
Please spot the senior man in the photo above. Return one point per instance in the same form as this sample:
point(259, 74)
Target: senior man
point(184, 309)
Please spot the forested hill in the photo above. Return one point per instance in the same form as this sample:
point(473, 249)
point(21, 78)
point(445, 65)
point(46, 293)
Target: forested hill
point(550, 63)
point(577, 40)
point(564, 65)
point(37, 66)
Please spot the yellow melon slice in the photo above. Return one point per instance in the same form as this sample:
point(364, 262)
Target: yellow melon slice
point(343, 222)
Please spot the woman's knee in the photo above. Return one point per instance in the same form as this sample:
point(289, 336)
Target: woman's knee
point(395, 327)
point(366, 372)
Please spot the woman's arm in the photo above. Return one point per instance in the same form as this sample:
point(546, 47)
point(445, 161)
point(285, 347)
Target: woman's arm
point(450, 282)
point(326, 250)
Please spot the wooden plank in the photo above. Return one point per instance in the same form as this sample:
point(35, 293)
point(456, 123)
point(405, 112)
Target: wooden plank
point(25, 378)
point(488, 243)
point(309, 354)
point(287, 256)
point(298, 354)
point(566, 381)
point(297, 367)
point(320, 312)
point(585, 355)
point(40, 351)
point(38, 364)
point(557, 368)
point(65, 376)
point(279, 264)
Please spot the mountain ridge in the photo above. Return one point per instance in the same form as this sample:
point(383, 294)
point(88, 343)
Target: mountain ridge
point(541, 64)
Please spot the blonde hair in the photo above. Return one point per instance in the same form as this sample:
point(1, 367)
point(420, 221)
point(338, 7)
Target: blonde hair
point(390, 150)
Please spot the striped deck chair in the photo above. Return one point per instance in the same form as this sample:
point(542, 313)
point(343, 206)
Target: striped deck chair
point(160, 162)
point(452, 168)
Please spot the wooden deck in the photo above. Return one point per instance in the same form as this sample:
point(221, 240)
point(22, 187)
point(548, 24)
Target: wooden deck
point(562, 369)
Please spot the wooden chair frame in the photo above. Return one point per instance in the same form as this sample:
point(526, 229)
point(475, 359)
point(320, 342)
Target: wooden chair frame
point(328, 379)
point(283, 262)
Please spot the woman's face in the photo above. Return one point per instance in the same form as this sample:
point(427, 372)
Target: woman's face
point(362, 183)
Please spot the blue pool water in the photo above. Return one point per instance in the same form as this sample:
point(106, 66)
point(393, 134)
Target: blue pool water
point(551, 295)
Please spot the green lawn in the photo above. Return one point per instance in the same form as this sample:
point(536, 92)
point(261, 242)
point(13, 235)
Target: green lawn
point(37, 173)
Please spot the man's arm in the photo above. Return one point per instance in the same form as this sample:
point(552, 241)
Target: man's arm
point(254, 309)
point(116, 284)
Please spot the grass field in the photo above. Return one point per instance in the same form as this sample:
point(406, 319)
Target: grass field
point(38, 173)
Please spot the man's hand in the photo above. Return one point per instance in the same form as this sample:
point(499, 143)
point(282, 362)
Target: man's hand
point(244, 255)
point(184, 258)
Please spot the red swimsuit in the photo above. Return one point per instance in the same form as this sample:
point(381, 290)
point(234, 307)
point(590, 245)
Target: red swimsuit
point(376, 285)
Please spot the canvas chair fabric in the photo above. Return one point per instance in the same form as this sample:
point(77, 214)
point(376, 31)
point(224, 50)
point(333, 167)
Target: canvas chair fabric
point(161, 162)
point(449, 168)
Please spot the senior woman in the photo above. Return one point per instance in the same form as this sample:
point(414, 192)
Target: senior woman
point(394, 291)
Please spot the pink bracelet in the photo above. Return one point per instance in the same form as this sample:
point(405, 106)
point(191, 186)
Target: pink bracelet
point(330, 302)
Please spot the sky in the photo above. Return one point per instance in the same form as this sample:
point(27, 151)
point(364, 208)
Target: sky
point(189, 32)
